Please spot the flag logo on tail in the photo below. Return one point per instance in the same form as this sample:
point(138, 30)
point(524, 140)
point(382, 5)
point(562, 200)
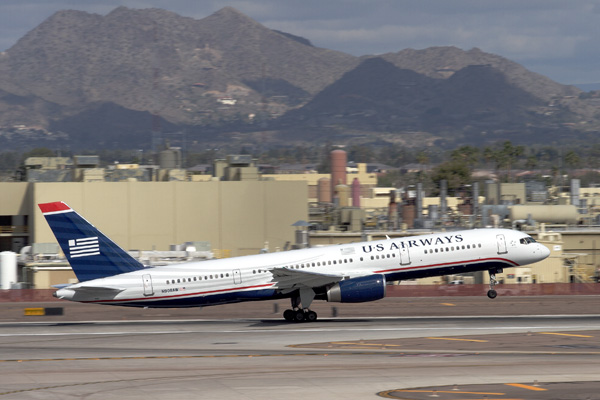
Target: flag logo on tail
point(84, 247)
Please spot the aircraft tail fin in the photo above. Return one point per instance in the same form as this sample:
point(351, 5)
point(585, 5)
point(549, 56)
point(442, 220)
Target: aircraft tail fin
point(91, 254)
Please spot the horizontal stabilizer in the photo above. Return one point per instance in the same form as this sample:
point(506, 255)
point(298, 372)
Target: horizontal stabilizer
point(97, 289)
point(62, 285)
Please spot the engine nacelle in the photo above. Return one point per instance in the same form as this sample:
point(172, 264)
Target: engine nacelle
point(358, 290)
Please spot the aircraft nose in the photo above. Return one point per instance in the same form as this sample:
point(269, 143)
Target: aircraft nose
point(545, 252)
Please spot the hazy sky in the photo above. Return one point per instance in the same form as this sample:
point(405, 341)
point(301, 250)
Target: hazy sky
point(557, 38)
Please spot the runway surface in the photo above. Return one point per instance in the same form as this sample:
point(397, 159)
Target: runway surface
point(351, 356)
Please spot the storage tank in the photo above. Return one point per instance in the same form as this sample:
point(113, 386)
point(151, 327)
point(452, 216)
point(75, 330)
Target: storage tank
point(338, 167)
point(8, 269)
point(355, 193)
point(408, 215)
point(170, 159)
point(551, 214)
point(343, 195)
point(324, 190)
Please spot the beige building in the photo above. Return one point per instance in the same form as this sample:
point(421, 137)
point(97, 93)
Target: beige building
point(237, 218)
point(367, 180)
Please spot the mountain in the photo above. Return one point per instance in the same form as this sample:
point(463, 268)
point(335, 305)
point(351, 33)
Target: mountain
point(109, 80)
point(588, 87)
point(157, 61)
point(443, 62)
point(377, 96)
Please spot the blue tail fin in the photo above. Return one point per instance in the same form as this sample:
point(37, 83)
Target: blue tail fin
point(91, 254)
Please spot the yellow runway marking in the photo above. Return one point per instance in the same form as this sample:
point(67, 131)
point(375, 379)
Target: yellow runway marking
point(456, 339)
point(564, 334)
point(519, 385)
point(448, 304)
point(448, 391)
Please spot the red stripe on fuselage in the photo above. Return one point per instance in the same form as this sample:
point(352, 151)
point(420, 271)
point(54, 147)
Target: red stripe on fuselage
point(383, 271)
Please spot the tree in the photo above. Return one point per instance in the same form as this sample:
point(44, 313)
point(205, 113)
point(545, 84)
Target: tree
point(455, 172)
point(506, 156)
point(38, 152)
point(422, 157)
point(572, 159)
point(531, 162)
point(467, 154)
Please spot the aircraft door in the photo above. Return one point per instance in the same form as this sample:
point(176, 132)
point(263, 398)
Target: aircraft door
point(404, 256)
point(147, 282)
point(237, 276)
point(501, 241)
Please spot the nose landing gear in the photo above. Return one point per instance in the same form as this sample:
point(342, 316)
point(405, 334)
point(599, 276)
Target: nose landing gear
point(493, 282)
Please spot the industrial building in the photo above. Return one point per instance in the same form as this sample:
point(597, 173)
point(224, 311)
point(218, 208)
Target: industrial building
point(238, 211)
point(236, 218)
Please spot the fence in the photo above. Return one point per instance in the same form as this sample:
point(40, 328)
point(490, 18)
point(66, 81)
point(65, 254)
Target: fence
point(540, 289)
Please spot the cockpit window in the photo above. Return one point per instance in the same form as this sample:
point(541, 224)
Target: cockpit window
point(527, 240)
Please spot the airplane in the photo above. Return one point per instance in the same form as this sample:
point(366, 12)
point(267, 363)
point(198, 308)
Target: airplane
point(346, 273)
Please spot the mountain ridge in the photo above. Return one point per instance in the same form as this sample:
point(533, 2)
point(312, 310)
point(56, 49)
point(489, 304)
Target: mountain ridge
point(226, 72)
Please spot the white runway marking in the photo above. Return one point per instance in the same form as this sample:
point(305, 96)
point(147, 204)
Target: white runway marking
point(308, 330)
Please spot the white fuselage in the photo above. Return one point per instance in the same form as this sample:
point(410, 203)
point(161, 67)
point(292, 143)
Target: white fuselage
point(254, 278)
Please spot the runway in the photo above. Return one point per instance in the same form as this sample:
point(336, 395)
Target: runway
point(362, 357)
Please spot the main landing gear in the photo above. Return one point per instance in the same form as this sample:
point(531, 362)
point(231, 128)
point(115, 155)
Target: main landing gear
point(300, 315)
point(301, 300)
point(493, 282)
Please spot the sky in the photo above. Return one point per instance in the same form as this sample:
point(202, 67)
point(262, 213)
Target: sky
point(556, 38)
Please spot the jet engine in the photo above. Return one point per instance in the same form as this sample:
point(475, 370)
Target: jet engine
point(358, 290)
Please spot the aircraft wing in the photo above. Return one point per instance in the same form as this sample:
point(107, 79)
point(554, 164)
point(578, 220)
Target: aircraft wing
point(289, 280)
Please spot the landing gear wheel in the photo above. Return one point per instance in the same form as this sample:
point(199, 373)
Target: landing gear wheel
point(310, 316)
point(493, 282)
point(289, 315)
point(298, 316)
